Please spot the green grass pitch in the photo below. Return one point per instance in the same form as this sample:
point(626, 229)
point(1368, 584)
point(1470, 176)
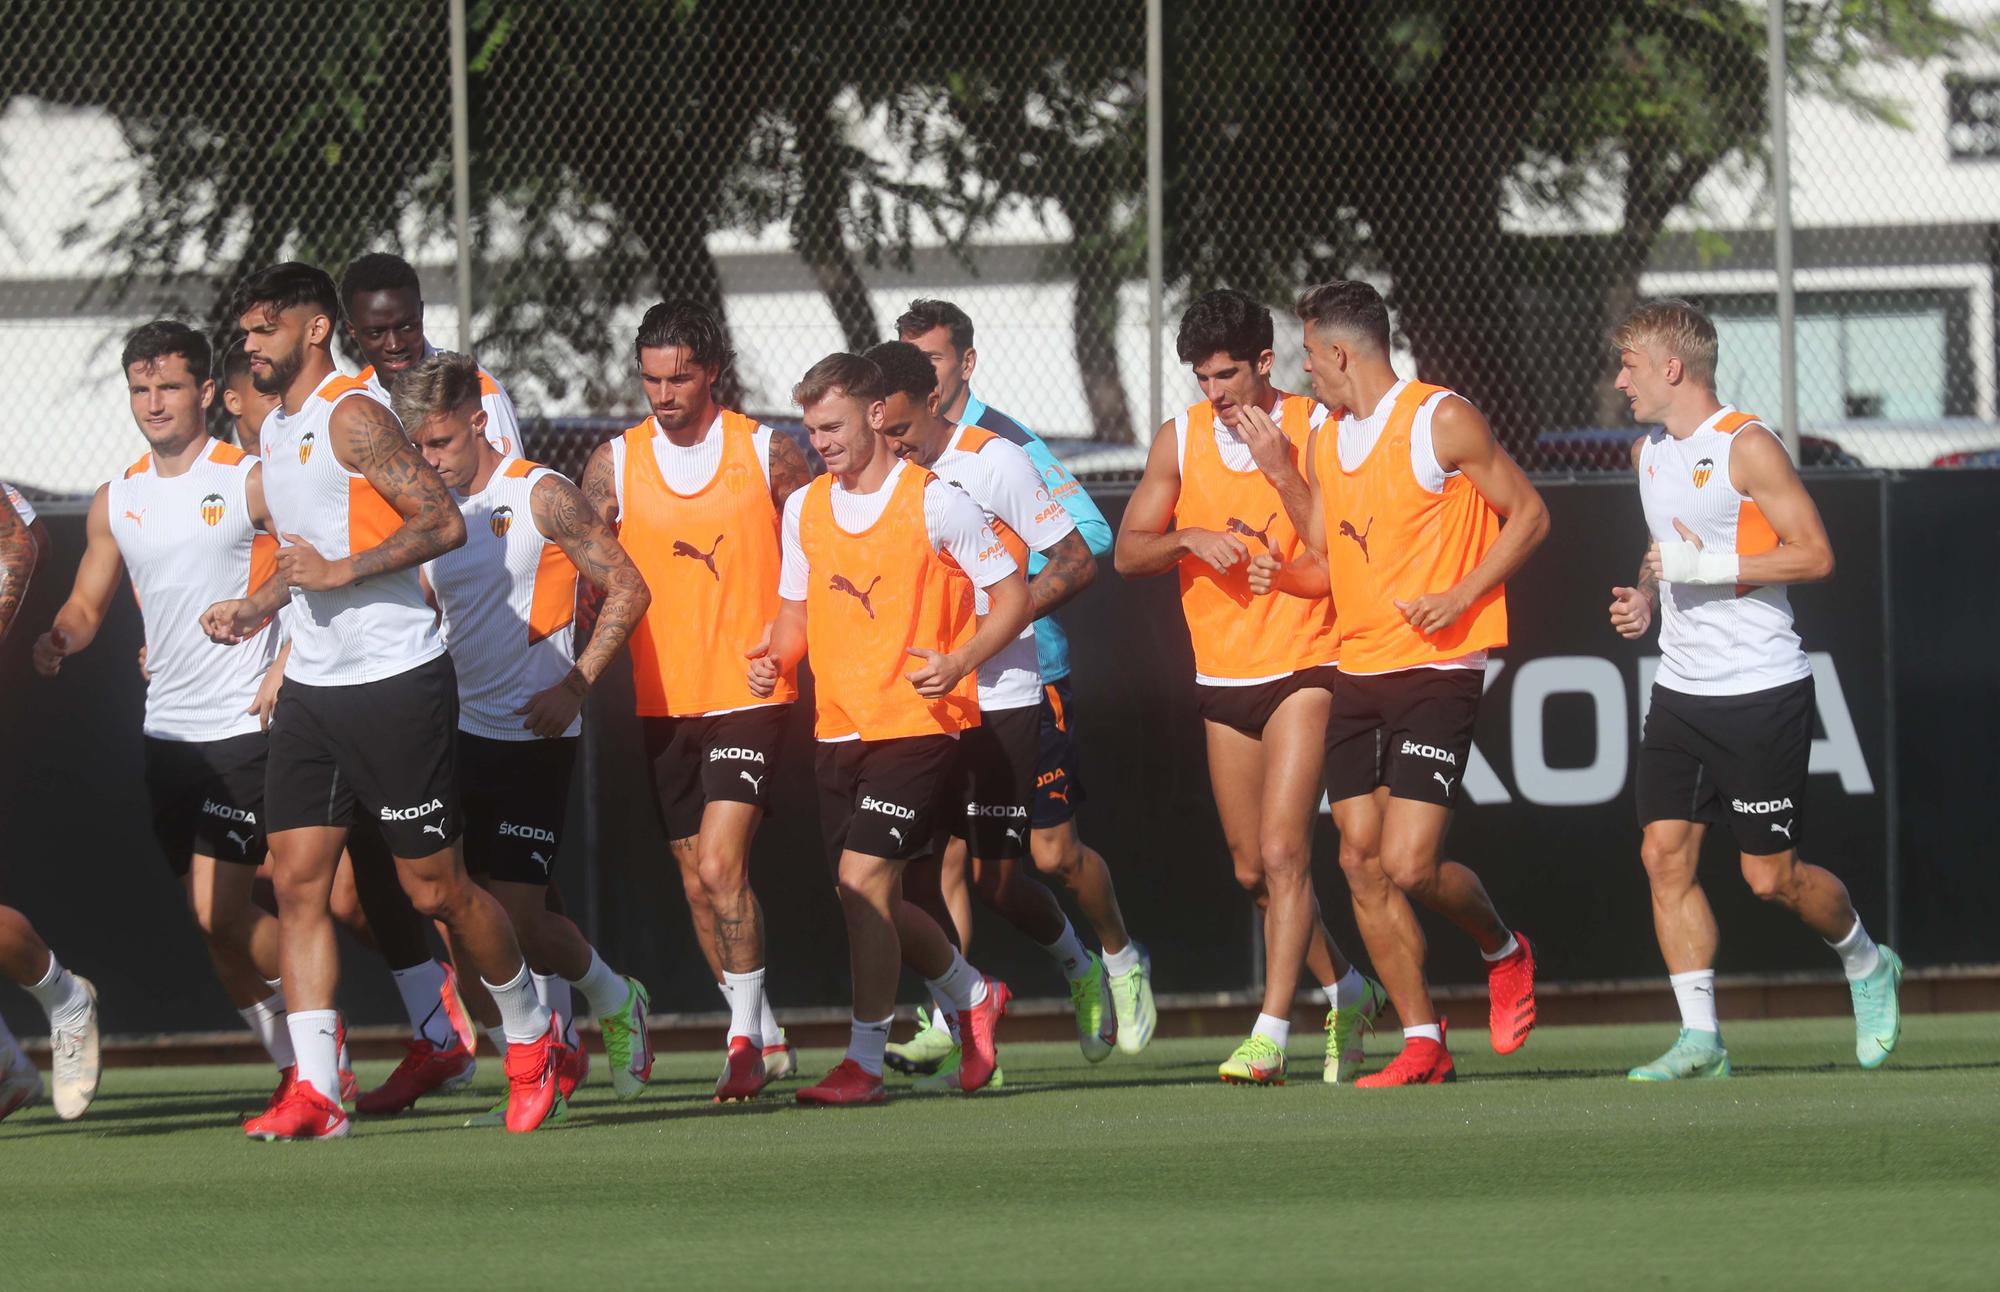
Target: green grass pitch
point(1546, 1169)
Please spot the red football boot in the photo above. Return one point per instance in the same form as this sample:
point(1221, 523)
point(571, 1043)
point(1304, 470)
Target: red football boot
point(1423, 1062)
point(424, 1069)
point(780, 1060)
point(287, 1078)
point(532, 1082)
point(848, 1083)
point(979, 1052)
point(742, 1072)
point(303, 1113)
point(349, 1087)
point(1510, 989)
point(575, 1067)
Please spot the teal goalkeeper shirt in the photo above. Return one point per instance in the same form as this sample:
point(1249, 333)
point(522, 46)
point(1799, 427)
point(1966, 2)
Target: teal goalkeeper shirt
point(1051, 643)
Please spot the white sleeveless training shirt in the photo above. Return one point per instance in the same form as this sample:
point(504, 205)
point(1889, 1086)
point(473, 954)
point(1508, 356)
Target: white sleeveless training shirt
point(188, 542)
point(1715, 640)
point(369, 630)
point(503, 428)
point(509, 602)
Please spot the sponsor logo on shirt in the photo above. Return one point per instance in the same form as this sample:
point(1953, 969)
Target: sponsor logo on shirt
point(508, 830)
point(841, 583)
point(735, 754)
point(1239, 526)
point(1360, 537)
point(1762, 807)
point(684, 548)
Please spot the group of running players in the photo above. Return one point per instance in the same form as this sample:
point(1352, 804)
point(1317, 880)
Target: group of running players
point(371, 626)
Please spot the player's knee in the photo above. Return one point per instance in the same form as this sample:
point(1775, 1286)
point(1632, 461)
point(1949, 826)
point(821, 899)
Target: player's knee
point(1665, 863)
point(720, 875)
point(1770, 878)
point(439, 898)
point(1057, 858)
point(1284, 861)
point(1410, 870)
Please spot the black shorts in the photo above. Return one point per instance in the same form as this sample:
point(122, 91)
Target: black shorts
point(514, 794)
point(1739, 760)
point(1248, 708)
point(708, 758)
point(208, 798)
point(386, 749)
point(996, 778)
point(1058, 760)
point(886, 798)
point(1410, 730)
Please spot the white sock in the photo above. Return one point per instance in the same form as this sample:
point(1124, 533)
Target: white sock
point(1695, 990)
point(941, 1010)
point(746, 1004)
point(315, 1042)
point(553, 992)
point(772, 1033)
point(1122, 961)
point(866, 1042)
point(522, 1017)
point(62, 997)
point(1428, 1031)
point(962, 987)
point(1348, 992)
point(1513, 945)
point(1068, 953)
point(1859, 955)
point(422, 989)
point(267, 1019)
point(1279, 1030)
point(603, 990)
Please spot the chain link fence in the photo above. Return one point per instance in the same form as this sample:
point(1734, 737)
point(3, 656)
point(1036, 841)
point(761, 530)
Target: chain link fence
point(1515, 174)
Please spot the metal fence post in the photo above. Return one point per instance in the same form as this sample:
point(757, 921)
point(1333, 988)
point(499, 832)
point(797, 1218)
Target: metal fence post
point(1781, 234)
point(461, 174)
point(1156, 209)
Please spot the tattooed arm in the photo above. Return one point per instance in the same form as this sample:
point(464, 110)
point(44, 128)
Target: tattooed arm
point(368, 439)
point(564, 515)
point(18, 554)
point(600, 491)
point(789, 469)
point(1070, 569)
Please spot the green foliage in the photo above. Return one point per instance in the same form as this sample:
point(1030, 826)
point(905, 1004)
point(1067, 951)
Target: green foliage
point(1307, 138)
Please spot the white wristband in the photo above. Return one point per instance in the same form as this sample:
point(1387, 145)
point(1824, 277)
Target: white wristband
point(1683, 562)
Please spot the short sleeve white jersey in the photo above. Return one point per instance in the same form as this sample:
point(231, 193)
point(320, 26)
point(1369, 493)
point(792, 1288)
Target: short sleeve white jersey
point(1716, 640)
point(187, 542)
point(998, 475)
point(509, 603)
point(378, 627)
